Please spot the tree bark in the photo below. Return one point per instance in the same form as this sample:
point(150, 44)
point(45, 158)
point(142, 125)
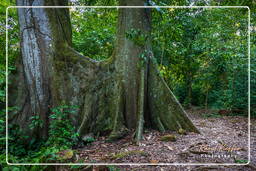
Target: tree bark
point(37, 47)
point(114, 96)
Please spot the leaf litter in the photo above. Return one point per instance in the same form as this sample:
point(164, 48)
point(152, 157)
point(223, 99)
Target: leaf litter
point(222, 140)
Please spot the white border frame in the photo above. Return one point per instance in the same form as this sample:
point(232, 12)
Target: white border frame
point(134, 164)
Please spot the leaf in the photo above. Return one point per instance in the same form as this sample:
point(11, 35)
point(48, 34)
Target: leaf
point(154, 161)
point(169, 147)
point(66, 154)
point(182, 131)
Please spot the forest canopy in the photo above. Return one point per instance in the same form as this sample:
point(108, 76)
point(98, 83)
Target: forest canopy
point(202, 53)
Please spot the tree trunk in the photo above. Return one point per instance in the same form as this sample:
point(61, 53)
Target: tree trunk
point(189, 89)
point(115, 95)
point(206, 99)
point(38, 41)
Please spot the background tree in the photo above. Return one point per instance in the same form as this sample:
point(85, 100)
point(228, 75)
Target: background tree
point(207, 50)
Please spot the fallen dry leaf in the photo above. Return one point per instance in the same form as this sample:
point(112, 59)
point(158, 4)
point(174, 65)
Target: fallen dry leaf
point(66, 154)
point(169, 147)
point(154, 161)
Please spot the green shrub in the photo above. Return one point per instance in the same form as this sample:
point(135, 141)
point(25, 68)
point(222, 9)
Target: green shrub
point(62, 136)
point(61, 131)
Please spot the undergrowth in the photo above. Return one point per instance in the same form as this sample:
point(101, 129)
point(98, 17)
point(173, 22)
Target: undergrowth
point(21, 149)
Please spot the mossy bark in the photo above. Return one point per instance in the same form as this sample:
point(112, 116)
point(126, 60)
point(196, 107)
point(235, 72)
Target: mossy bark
point(122, 93)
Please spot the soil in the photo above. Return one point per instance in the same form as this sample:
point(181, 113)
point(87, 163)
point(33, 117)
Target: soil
point(223, 139)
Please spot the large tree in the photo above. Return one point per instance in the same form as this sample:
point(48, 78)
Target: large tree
point(124, 92)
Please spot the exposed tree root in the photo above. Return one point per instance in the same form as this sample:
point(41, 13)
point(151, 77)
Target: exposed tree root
point(100, 97)
point(167, 113)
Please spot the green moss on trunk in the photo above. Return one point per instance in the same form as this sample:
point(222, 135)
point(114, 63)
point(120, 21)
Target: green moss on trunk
point(114, 95)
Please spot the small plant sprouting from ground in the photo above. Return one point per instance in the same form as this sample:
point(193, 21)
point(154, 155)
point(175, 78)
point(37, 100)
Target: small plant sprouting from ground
point(241, 161)
point(61, 131)
point(62, 136)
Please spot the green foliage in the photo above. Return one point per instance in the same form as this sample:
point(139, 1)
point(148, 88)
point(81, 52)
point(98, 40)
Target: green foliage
point(36, 122)
point(76, 167)
point(62, 136)
point(43, 155)
point(13, 47)
point(113, 168)
point(241, 161)
point(202, 53)
point(88, 139)
point(16, 141)
point(143, 58)
point(136, 36)
point(204, 59)
point(2, 131)
point(205, 50)
point(94, 31)
point(61, 131)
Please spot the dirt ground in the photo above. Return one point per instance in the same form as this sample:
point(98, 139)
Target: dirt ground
point(223, 139)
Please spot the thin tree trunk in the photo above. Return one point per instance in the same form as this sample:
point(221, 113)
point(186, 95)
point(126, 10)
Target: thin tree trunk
point(189, 93)
point(206, 99)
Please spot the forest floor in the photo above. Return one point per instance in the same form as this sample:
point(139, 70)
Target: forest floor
point(223, 139)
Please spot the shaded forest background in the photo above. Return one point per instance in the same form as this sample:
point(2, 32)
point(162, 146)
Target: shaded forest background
point(202, 55)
